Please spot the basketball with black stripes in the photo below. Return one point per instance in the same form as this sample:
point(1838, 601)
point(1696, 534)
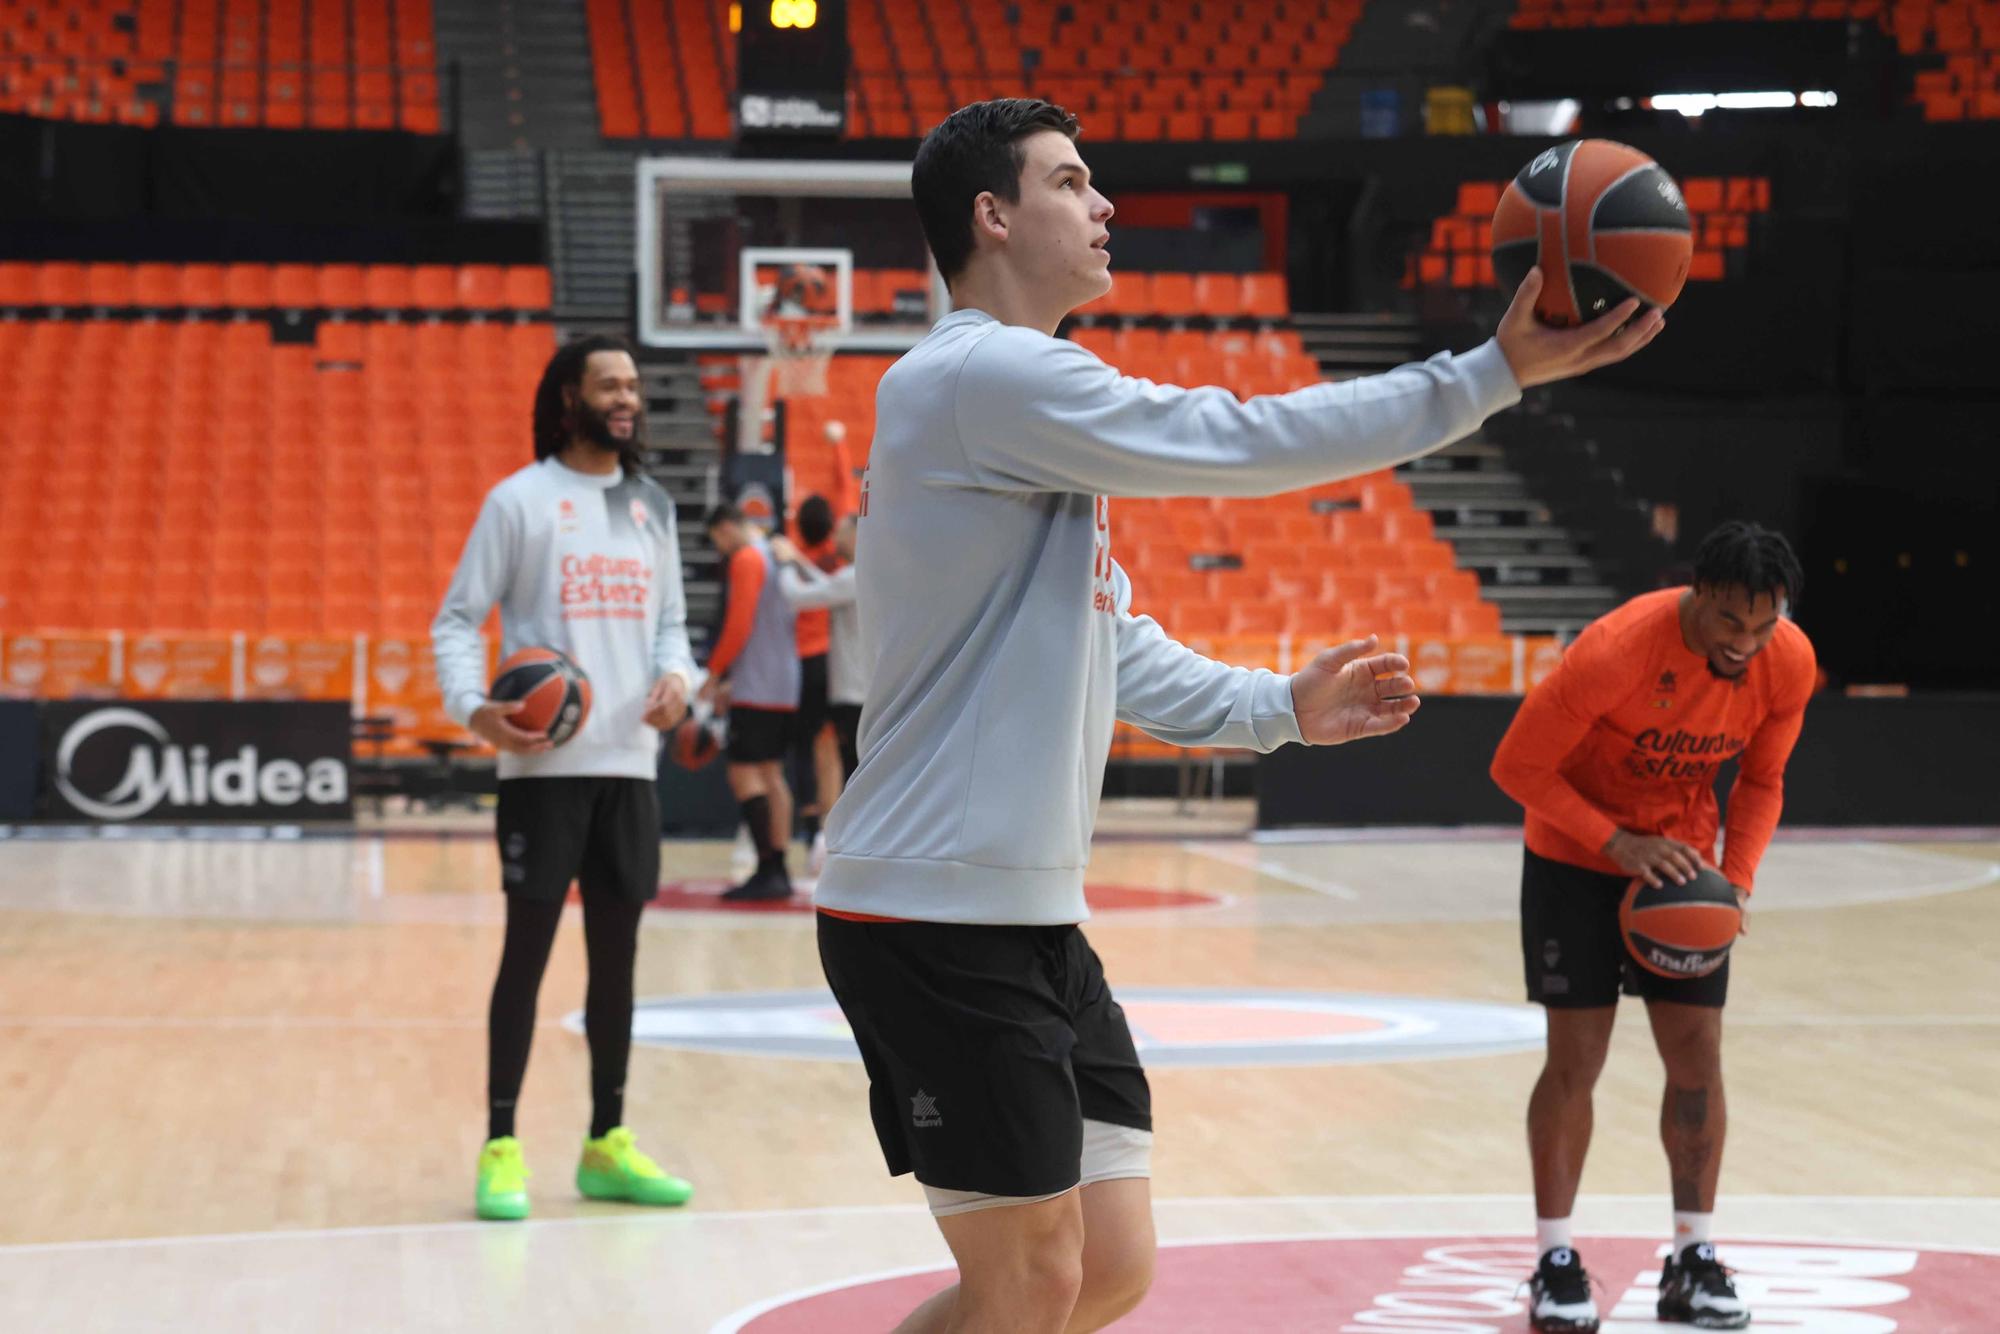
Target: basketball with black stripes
point(1603, 220)
point(1681, 930)
point(553, 691)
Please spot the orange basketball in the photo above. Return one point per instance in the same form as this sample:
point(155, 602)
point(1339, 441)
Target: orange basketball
point(1681, 930)
point(1604, 222)
point(554, 692)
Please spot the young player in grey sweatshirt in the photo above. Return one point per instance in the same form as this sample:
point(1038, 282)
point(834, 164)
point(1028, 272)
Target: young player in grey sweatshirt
point(1002, 648)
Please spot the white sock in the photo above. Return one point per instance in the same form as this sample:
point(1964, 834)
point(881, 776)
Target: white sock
point(1691, 1229)
point(1550, 1233)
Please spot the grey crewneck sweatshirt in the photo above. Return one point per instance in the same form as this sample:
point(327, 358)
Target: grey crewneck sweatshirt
point(997, 627)
point(587, 564)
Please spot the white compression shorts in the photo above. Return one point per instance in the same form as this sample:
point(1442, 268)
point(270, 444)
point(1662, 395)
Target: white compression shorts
point(1110, 1153)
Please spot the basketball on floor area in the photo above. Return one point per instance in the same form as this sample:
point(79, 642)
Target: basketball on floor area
point(1603, 220)
point(1681, 930)
point(553, 691)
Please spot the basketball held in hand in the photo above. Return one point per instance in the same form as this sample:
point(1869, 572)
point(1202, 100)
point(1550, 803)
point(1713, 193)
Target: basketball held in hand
point(553, 692)
point(1604, 221)
point(1681, 930)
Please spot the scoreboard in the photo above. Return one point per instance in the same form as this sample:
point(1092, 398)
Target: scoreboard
point(791, 67)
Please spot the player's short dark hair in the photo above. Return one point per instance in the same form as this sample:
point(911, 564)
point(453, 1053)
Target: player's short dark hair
point(719, 515)
point(553, 427)
point(975, 149)
point(815, 520)
point(1749, 556)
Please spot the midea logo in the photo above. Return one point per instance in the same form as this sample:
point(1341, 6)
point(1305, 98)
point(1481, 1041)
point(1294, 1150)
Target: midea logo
point(160, 771)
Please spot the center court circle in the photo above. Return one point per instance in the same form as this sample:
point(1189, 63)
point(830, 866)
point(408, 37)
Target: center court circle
point(1468, 1285)
point(1172, 1026)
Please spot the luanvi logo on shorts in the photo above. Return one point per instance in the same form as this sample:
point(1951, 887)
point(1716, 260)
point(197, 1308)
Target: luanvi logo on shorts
point(924, 1111)
point(198, 761)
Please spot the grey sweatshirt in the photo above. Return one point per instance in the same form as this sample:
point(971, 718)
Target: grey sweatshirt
point(586, 564)
point(812, 589)
point(998, 624)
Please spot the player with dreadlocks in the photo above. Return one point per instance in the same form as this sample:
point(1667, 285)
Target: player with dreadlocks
point(579, 551)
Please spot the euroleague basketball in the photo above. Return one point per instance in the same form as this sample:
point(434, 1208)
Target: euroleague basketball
point(1681, 930)
point(1604, 221)
point(553, 691)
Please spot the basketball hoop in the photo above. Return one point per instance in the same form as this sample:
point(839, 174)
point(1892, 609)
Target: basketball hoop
point(798, 350)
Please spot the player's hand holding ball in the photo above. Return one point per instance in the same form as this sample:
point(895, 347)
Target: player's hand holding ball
point(489, 722)
point(1538, 353)
point(1652, 858)
point(1351, 692)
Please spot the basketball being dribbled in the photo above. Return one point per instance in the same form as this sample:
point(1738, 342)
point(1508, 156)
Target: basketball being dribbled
point(553, 691)
point(1681, 930)
point(1603, 220)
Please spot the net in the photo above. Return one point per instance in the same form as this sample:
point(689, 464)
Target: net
point(798, 350)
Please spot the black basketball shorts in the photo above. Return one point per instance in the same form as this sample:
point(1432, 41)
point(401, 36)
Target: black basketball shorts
point(1572, 953)
point(601, 832)
point(986, 1048)
point(758, 736)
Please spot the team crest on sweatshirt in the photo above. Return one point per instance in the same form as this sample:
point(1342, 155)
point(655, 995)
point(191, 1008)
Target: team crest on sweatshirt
point(640, 517)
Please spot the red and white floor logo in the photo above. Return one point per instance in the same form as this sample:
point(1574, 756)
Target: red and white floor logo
point(1468, 1286)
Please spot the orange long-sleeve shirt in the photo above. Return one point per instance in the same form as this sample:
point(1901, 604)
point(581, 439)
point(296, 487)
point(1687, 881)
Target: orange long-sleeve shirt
point(746, 585)
point(1629, 731)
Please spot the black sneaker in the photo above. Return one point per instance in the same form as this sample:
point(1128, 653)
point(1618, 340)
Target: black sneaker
point(765, 886)
point(1559, 1300)
point(1695, 1290)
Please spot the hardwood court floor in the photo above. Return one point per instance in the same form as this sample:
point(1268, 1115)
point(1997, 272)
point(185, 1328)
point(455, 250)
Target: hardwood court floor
point(241, 1082)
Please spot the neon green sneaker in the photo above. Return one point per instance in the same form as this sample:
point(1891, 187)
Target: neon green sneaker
point(503, 1180)
point(612, 1168)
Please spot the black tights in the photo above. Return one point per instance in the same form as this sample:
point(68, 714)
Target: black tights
point(611, 944)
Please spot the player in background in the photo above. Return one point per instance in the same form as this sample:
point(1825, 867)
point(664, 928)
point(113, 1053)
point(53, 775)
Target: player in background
point(754, 668)
point(580, 553)
point(1614, 756)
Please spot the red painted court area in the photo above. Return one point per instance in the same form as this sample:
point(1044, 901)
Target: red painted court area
point(1473, 1285)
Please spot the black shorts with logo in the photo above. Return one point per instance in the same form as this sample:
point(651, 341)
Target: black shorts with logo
point(986, 1048)
point(758, 736)
point(1572, 951)
point(601, 832)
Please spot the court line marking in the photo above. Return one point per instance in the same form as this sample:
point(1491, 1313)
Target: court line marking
point(337, 1023)
point(734, 1322)
point(659, 1218)
point(1247, 859)
point(1476, 833)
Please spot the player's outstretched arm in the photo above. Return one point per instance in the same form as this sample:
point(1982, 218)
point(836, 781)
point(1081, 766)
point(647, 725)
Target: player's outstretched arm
point(1041, 414)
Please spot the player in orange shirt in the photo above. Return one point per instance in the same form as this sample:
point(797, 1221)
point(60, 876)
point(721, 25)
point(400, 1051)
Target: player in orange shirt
point(1614, 757)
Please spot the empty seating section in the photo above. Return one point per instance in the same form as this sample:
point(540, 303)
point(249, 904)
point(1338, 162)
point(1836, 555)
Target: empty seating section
point(180, 481)
point(1459, 251)
point(279, 64)
point(1131, 69)
point(1954, 45)
point(433, 288)
point(1225, 70)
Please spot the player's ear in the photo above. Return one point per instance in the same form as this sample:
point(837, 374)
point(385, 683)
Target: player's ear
point(988, 217)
